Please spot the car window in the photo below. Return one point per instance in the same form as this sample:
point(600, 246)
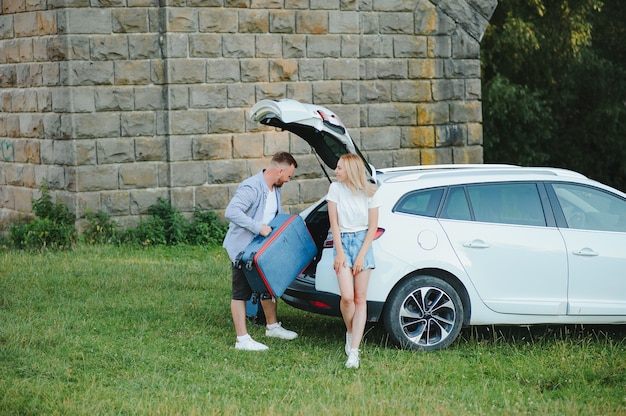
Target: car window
point(507, 203)
point(456, 206)
point(423, 202)
point(587, 208)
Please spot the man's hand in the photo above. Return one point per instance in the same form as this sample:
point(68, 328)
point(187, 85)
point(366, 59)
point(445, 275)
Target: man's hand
point(265, 230)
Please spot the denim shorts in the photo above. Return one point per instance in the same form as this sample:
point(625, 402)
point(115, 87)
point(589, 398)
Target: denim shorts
point(352, 243)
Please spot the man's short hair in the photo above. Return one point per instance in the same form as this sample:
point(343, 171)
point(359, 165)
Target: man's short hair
point(284, 158)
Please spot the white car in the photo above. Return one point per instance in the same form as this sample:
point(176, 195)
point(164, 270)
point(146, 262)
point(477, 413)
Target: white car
point(462, 245)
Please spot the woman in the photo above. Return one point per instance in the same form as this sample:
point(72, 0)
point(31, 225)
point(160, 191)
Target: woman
point(353, 213)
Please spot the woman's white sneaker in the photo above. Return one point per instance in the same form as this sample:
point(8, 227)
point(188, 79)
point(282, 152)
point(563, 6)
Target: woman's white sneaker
point(353, 359)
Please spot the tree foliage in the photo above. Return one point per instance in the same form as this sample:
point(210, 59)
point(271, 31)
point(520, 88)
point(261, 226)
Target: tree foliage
point(554, 86)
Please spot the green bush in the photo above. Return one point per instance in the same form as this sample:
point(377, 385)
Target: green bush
point(101, 229)
point(54, 226)
point(167, 226)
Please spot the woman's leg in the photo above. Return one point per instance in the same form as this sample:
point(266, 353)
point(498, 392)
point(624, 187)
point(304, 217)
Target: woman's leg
point(359, 317)
point(346, 288)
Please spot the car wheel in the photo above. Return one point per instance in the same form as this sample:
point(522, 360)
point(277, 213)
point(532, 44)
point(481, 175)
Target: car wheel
point(423, 313)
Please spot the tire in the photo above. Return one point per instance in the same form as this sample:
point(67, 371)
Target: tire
point(423, 313)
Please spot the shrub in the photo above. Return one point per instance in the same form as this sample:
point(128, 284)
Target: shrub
point(101, 229)
point(54, 226)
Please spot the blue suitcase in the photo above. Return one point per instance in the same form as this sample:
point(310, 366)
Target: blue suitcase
point(271, 263)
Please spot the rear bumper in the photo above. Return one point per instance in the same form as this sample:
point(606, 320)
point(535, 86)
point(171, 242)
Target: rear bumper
point(301, 294)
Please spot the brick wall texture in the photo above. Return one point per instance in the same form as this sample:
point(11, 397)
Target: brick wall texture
point(115, 103)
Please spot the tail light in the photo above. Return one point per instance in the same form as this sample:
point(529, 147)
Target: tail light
point(329, 239)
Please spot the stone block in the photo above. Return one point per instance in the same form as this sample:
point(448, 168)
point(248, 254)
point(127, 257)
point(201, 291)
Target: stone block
point(268, 46)
point(241, 95)
point(141, 200)
point(410, 47)
point(238, 46)
point(469, 154)
point(419, 136)
point(439, 47)
point(341, 69)
point(223, 71)
point(85, 152)
point(381, 138)
point(188, 122)
point(114, 99)
point(205, 46)
point(216, 20)
point(312, 22)
point(323, 46)
point(85, 21)
point(407, 157)
point(344, 22)
point(180, 148)
point(226, 121)
point(311, 69)
point(328, 92)
point(92, 178)
point(426, 68)
point(115, 151)
point(450, 135)
point(375, 46)
point(212, 197)
point(253, 21)
point(132, 72)
point(181, 19)
point(294, 46)
point(437, 156)
point(187, 71)
point(108, 48)
point(433, 113)
point(212, 147)
point(138, 175)
point(188, 173)
point(448, 89)
point(281, 21)
point(283, 70)
point(150, 149)
point(115, 203)
point(227, 171)
point(149, 98)
point(89, 126)
point(138, 123)
point(87, 73)
point(254, 70)
point(183, 199)
point(129, 20)
point(464, 112)
point(397, 114)
point(246, 146)
point(411, 91)
point(144, 46)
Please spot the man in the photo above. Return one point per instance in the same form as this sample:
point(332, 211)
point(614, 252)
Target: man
point(257, 201)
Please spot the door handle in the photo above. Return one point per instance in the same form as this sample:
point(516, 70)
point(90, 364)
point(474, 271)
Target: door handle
point(476, 244)
point(585, 252)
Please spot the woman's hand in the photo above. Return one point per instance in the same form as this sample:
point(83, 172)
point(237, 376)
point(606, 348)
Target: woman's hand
point(358, 265)
point(340, 261)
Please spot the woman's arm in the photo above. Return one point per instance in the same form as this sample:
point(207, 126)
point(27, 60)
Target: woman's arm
point(340, 258)
point(372, 226)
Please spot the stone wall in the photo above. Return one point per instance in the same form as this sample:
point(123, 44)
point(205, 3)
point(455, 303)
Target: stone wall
point(115, 103)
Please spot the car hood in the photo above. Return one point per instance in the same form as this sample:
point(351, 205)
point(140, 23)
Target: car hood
point(317, 125)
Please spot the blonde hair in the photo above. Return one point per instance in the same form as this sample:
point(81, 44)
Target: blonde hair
point(356, 178)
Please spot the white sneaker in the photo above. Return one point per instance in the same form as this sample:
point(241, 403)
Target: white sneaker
point(250, 345)
point(348, 343)
point(279, 332)
point(353, 359)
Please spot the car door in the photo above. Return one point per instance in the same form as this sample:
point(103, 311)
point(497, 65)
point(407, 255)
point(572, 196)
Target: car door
point(318, 126)
point(595, 237)
point(516, 262)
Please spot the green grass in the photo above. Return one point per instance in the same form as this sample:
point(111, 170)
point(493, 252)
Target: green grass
point(128, 331)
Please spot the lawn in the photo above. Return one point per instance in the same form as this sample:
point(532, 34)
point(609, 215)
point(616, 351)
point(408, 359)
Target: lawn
point(132, 331)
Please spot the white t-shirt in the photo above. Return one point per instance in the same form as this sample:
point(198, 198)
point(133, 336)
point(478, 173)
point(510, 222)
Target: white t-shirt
point(271, 207)
point(352, 207)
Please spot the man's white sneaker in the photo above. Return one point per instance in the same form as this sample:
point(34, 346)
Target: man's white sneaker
point(279, 332)
point(250, 345)
point(353, 359)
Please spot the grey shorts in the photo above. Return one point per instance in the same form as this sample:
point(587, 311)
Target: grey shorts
point(241, 288)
